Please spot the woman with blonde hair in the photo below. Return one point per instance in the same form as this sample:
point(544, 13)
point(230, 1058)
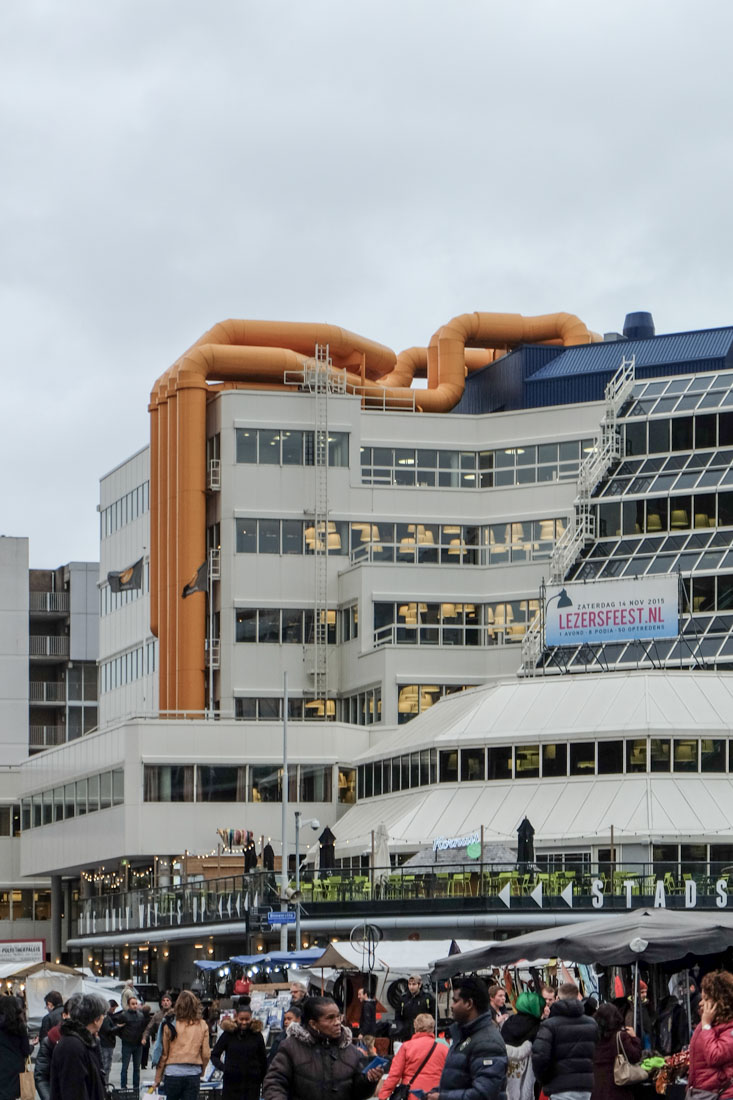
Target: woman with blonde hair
point(419, 1061)
point(711, 1045)
point(185, 1049)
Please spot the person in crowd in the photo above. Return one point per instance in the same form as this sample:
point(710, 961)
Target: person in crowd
point(42, 1068)
point(165, 1009)
point(671, 1032)
point(550, 996)
point(291, 1015)
point(129, 991)
point(131, 1023)
point(518, 1032)
point(212, 1015)
point(562, 1053)
point(368, 1017)
point(419, 1062)
point(76, 1068)
point(54, 1011)
point(318, 1059)
point(14, 1047)
point(367, 1044)
point(411, 1005)
point(108, 1038)
point(476, 1063)
point(497, 1004)
point(611, 1033)
point(711, 1045)
point(240, 1053)
point(186, 1050)
point(298, 993)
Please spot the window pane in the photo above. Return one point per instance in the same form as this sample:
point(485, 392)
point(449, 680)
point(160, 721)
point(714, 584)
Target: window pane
point(93, 794)
point(269, 447)
point(685, 755)
point(118, 786)
point(220, 784)
point(611, 757)
point(292, 620)
point(268, 532)
point(105, 790)
point(81, 797)
point(315, 783)
point(269, 625)
point(448, 764)
point(554, 760)
point(583, 758)
point(712, 755)
point(527, 762)
point(292, 536)
point(246, 445)
point(265, 783)
point(338, 449)
point(635, 756)
point(499, 763)
point(660, 753)
point(246, 626)
point(472, 765)
point(292, 448)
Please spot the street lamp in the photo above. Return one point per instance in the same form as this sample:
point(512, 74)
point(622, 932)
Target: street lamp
point(314, 824)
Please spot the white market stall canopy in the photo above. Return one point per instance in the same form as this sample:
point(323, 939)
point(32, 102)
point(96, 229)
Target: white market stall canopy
point(396, 956)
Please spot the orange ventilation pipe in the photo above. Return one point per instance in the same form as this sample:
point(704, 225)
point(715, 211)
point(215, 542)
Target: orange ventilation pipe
point(258, 354)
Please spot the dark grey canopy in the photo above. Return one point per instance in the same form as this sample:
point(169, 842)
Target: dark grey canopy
point(651, 935)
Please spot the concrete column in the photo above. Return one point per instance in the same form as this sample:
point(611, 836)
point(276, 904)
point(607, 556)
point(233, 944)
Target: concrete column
point(56, 911)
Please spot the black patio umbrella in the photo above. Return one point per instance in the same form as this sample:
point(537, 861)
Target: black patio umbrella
point(327, 858)
point(525, 845)
point(268, 858)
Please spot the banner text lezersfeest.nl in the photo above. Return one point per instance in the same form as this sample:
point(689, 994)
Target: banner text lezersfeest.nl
point(611, 611)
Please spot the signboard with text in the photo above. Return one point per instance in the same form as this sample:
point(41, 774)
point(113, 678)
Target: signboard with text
point(22, 951)
point(612, 611)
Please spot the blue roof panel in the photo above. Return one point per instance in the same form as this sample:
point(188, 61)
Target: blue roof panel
point(657, 351)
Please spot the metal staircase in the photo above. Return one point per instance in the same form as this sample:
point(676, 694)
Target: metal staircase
point(581, 528)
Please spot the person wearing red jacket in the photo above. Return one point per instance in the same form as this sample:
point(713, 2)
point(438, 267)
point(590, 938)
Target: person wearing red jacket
point(711, 1046)
point(410, 1057)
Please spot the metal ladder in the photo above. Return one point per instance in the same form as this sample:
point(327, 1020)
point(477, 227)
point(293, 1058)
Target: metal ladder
point(582, 526)
point(321, 384)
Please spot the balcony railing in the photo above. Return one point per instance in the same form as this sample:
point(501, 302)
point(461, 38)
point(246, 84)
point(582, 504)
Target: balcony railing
point(455, 887)
point(49, 601)
point(46, 691)
point(43, 737)
point(48, 645)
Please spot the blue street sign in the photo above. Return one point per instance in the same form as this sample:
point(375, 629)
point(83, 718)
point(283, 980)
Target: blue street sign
point(276, 917)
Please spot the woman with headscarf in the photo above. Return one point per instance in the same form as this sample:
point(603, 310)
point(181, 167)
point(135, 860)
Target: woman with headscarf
point(518, 1032)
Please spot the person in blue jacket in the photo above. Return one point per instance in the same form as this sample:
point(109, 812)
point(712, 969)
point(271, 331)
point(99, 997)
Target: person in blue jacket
point(476, 1066)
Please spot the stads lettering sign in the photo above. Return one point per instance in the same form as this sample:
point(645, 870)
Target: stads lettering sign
point(633, 900)
point(612, 611)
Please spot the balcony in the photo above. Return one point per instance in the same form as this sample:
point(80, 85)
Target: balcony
point(46, 691)
point(49, 601)
point(43, 737)
point(421, 890)
point(48, 645)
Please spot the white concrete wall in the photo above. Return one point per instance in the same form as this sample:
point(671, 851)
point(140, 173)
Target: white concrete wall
point(13, 649)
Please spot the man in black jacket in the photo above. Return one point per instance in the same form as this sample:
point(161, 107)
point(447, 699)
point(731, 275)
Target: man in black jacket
point(132, 1024)
point(55, 1005)
point(476, 1066)
point(562, 1053)
point(410, 1006)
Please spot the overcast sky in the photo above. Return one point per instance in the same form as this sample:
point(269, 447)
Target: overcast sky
point(379, 164)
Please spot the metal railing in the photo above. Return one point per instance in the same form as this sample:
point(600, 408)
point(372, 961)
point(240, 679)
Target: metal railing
point(46, 691)
point(43, 737)
point(48, 645)
point(49, 601)
point(248, 897)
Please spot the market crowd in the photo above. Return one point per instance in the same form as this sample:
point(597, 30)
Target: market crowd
point(548, 1043)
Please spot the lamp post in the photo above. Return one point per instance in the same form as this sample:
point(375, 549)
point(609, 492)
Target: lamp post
point(284, 803)
point(315, 824)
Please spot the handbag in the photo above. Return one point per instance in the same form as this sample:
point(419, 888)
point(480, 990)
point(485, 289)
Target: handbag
point(402, 1091)
point(625, 1072)
point(27, 1084)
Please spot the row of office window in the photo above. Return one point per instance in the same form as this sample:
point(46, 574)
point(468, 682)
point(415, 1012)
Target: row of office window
point(128, 667)
point(363, 708)
point(286, 447)
point(84, 796)
point(457, 624)
point(551, 761)
point(657, 515)
point(664, 397)
point(244, 783)
point(283, 625)
point(110, 601)
point(125, 510)
point(522, 464)
point(378, 540)
point(25, 904)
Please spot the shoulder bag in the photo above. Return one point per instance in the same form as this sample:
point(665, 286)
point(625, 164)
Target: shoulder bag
point(402, 1091)
point(625, 1072)
point(27, 1083)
